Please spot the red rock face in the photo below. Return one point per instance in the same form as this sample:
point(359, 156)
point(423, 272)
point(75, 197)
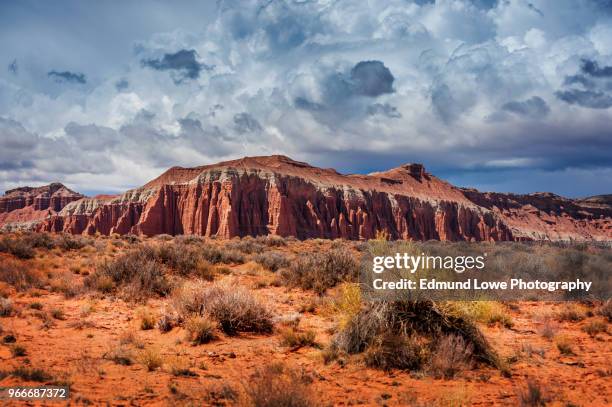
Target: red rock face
point(276, 195)
point(22, 207)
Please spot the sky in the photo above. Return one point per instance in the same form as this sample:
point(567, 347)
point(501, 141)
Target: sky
point(506, 95)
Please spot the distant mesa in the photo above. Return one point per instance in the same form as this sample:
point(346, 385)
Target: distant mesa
point(278, 195)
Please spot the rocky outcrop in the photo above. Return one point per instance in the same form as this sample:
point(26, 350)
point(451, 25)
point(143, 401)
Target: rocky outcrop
point(23, 208)
point(53, 197)
point(276, 195)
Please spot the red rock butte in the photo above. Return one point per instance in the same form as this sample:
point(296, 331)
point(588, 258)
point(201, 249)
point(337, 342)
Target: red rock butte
point(277, 195)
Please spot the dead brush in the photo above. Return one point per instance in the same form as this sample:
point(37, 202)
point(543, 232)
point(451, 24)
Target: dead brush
point(19, 275)
point(296, 339)
point(451, 356)
point(200, 329)
point(18, 246)
point(423, 324)
point(532, 395)
point(606, 310)
point(277, 385)
point(136, 271)
point(321, 271)
point(391, 351)
point(272, 261)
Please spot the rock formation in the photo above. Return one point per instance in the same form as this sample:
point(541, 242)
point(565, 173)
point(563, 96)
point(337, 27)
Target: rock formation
point(23, 207)
point(277, 195)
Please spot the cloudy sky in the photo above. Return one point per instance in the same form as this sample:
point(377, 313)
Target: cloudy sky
point(506, 95)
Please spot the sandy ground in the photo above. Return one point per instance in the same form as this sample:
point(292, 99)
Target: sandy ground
point(72, 349)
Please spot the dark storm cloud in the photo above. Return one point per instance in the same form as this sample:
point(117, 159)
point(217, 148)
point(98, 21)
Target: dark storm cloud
point(592, 68)
point(13, 68)
point(579, 80)
point(534, 107)
point(245, 123)
point(67, 76)
point(384, 109)
point(184, 62)
point(586, 98)
point(372, 78)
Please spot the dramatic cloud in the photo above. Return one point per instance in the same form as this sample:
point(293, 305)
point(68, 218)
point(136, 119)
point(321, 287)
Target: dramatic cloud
point(67, 76)
point(183, 63)
point(534, 107)
point(480, 91)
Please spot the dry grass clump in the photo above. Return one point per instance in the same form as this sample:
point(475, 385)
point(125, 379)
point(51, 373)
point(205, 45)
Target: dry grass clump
point(571, 313)
point(136, 271)
point(606, 310)
point(272, 261)
point(147, 318)
point(17, 246)
point(452, 355)
point(200, 329)
point(120, 354)
point(71, 242)
point(6, 307)
point(19, 275)
point(488, 312)
point(548, 329)
point(320, 271)
point(419, 329)
point(597, 326)
point(564, 344)
point(532, 395)
point(392, 351)
point(272, 240)
point(234, 308)
point(151, 358)
point(237, 310)
point(277, 385)
point(30, 374)
point(246, 245)
point(216, 255)
point(295, 339)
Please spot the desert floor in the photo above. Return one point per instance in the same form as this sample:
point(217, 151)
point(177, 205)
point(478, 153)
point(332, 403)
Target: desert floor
point(61, 331)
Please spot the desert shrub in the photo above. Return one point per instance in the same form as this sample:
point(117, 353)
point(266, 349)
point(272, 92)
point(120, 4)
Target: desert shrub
point(6, 307)
point(151, 358)
point(452, 355)
point(532, 395)
point(276, 385)
point(237, 310)
point(18, 351)
point(136, 270)
point(168, 319)
point(200, 329)
point(272, 261)
point(70, 242)
point(180, 366)
point(488, 312)
point(58, 313)
point(40, 240)
point(31, 374)
point(19, 275)
point(188, 239)
point(217, 255)
point(571, 313)
point(321, 271)
point(564, 345)
point(218, 394)
point(183, 258)
point(606, 310)
point(147, 318)
point(422, 325)
point(271, 240)
point(295, 339)
point(595, 327)
point(392, 351)
point(121, 355)
point(246, 245)
point(233, 307)
point(18, 247)
point(548, 329)
point(36, 305)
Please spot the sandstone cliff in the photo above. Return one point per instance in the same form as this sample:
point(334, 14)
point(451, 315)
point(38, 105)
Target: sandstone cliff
point(25, 206)
point(277, 195)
